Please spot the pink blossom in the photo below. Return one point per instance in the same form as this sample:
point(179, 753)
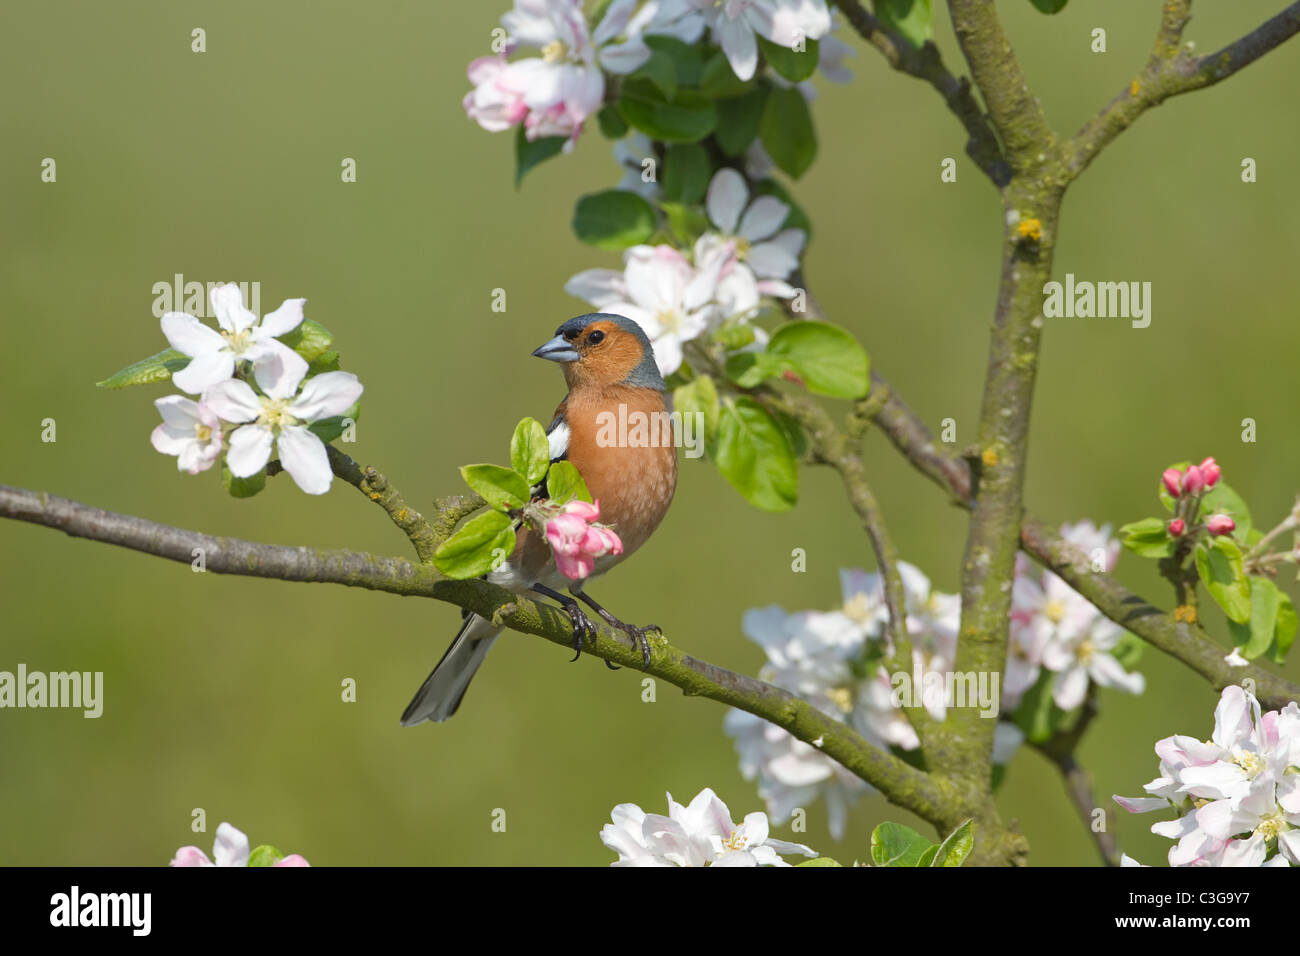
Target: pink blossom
point(1210, 471)
point(1173, 479)
point(1177, 527)
point(1220, 524)
point(1193, 480)
point(577, 542)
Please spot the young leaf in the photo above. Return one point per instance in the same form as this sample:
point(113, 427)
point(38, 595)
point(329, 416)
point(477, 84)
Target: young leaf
point(614, 219)
point(893, 844)
point(686, 173)
point(954, 850)
point(679, 121)
point(612, 124)
point(753, 454)
point(786, 128)
point(686, 222)
point(331, 429)
point(501, 488)
point(789, 64)
point(242, 487)
point(738, 120)
point(1256, 636)
point(564, 483)
point(819, 861)
point(478, 547)
point(1149, 538)
point(748, 369)
point(1219, 563)
point(156, 368)
point(310, 339)
point(828, 359)
point(699, 396)
point(530, 452)
point(530, 153)
point(1049, 6)
point(1287, 623)
point(265, 855)
point(912, 18)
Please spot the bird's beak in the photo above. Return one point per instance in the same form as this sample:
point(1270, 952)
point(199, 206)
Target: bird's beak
point(557, 350)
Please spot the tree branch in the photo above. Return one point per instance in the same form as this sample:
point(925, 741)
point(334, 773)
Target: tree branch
point(902, 784)
point(1015, 112)
point(1171, 71)
point(926, 63)
point(1183, 640)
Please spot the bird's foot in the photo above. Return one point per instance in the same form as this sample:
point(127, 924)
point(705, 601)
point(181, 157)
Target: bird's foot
point(637, 634)
point(583, 630)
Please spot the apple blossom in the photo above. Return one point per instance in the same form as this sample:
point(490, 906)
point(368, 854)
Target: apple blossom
point(760, 244)
point(214, 354)
point(190, 430)
point(577, 542)
point(735, 25)
point(554, 94)
point(280, 416)
point(1220, 524)
point(230, 848)
point(1177, 527)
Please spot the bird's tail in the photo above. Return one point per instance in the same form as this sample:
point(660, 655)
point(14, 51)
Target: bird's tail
point(443, 690)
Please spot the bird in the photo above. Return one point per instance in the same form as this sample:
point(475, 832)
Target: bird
point(610, 370)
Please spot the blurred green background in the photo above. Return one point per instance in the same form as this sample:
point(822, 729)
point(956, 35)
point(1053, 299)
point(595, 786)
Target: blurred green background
point(224, 693)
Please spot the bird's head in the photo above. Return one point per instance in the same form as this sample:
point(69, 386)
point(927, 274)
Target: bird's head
point(602, 349)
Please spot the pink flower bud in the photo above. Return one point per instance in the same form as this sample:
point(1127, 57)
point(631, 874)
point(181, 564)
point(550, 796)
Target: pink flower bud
point(1220, 524)
point(1210, 471)
point(1173, 479)
point(582, 509)
point(1193, 480)
point(1177, 527)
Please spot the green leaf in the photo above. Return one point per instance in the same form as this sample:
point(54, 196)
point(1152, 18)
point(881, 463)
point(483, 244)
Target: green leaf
point(1037, 714)
point(719, 81)
point(1128, 651)
point(564, 483)
point(954, 850)
point(754, 455)
point(242, 487)
point(660, 70)
point(686, 173)
point(680, 121)
point(786, 128)
point(738, 120)
point(927, 858)
point(310, 339)
point(699, 396)
point(331, 429)
point(1221, 499)
point(749, 369)
point(265, 855)
point(1219, 563)
point(1149, 537)
point(533, 153)
point(1256, 635)
point(686, 59)
point(614, 219)
point(734, 335)
point(1287, 621)
point(912, 18)
point(156, 368)
point(480, 545)
point(828, 359)
point(530, 451)
point(501, 488)
point(1049, 6)
point(893, 844)
point(325, 362)
point(790, 64)
point(819, 861)
point(612, 124)
point(686, 222)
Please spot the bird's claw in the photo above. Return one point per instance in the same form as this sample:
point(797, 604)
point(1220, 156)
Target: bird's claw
point(638, 635)
point(583, 629)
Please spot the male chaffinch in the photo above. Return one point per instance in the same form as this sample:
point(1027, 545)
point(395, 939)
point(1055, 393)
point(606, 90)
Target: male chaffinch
point(608, 362)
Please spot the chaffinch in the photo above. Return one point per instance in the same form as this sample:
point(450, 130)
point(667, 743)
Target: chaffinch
point(609, 367)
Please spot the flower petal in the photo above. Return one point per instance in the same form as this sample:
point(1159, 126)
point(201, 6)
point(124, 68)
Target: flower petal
point(231, 847)
point(228, 306)
point(188, 335)
point(234, 401)
point(284, 319)
point(763, 218)
point(205, 371)
point(726, 198)
point(250, 450)
point(304, 458)
point(326, 395)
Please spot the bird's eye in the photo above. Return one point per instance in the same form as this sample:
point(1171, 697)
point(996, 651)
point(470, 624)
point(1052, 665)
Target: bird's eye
point(596, 337)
